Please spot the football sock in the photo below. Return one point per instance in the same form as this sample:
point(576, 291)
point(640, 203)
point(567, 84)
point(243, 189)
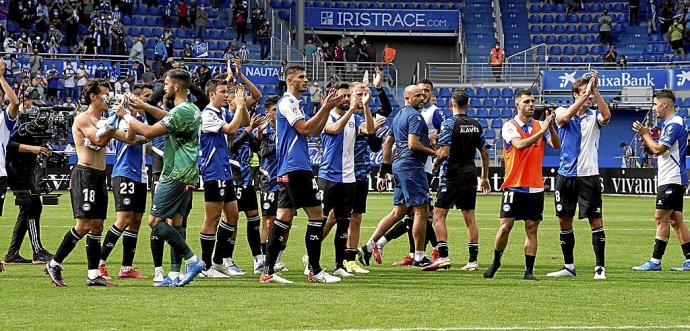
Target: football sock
point(157, 247)
point(418, 256)
point(599, 246)
point(568, 245)
point(686, 250)
point(93, 251)
point(175, 255)
point(473, 249)
point(275, 238)
point(208, 241)
point(340, 240)
point(111, 238)
point(173, 237)
point(129, 247)
point(442, 249)
point(398, 229)
point(254, 235)
point(223, 238)
point(409, 221)
point(430, 234)
point(491, 271)
point(659, 249)
point(68, 243)
point(497, 257)
point(312, 239)
point(529, 263)
point(381, 242)
point(370, 245)
point(350, 254)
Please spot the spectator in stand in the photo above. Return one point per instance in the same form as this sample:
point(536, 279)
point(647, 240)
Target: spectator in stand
point(3, 36)
point(101, 72)
point(571, 6)
point(338, 56)
point(127, 7)
point(201, 22)
point(71, 28)
point(389, 54)
point(68, 82)
point(241, 23)
point(168, 38)
point(159, 56)
point(229, 53)
point(69, 102)
point(610, 57)
point(265, 40)
point(40, 83)
point(27, 17)
point(675, 37)
point(136, 72)
point(319, 54)
point(496, 58)
point(39, 43)
point(193, 10)
point(148, 76)
point(24, 43)
point(4, 10)
point(369, 50)
point(605, 28)
point(87, 12)
point(42, 19)
point(35, 61)
point(634, 16)
point(90, 45)
point(309, 50)
point(54, 40)
point(136, 54)
point(665, 17)
point(351, 56)
point(203, 75)
point(183, 15)
point(187, 53)
point(258, 20)
point(82, 77)
point(628, 157)
point(53, 79)
point(622, 62)
point(10, 45)
point(167, 14)
point(243, 53)
point(119, 46)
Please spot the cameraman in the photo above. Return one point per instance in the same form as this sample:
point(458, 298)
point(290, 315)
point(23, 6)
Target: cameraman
point(8, 119)
point(24, 170)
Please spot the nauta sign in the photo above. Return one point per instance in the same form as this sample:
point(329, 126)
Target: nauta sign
point(613, 80)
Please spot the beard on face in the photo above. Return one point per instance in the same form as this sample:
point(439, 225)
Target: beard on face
point(170, 101)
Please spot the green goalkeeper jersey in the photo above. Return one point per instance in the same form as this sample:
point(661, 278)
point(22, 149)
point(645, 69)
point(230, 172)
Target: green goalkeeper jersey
point(181, 144)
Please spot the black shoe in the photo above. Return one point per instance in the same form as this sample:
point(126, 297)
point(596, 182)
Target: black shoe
point(2, 266)
point(491, 271)
point(423, 263)
point(364, 256)
point(529, 276)
point(14, 257)
point(42, 256)
point(55, 274)
point(99, 281)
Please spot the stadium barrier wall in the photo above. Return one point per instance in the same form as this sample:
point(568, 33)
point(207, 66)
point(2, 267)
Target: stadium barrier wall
point(631, 181)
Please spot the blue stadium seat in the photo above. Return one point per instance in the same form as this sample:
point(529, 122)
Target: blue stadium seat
point(471, 112)
point(484, 123)
point(678, 102)
point(564, 59)
point(482, 92)
point(496, 124)
point(676, 58)
point(572, 19)
point(560, 18)
point(555, 50)
point(547, 8)
point(150, 21)
point(146, 32)
point(507, 92)
point(177, 44)
point(489, 133)
point(535, 29)
point(562, 39)
point(442, 102)
point(568, 50)
point(582, 50)
point(571, 29)
point(475, 103)
point(550, 39)
point(596, 50)
point(444, 92)
point(494, 92)
point(578, 59)
point(547, 29)
point(482, 113)
point(586, 19)
point(133, 31)
point(469, 91)
point(686, 102)
point(534, 19)
point(494, 113)
point(559, 29)
point(538, 39)
point(559, 8)
point(506, 113)
point(150, 43)
point(583, 29)
point(589, 39)
point(534, 8)
point(126, 20)
point(138, 20)
point(488, 103)
point(500, 103)
point(547, 19)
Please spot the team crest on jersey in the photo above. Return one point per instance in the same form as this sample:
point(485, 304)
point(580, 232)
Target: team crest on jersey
point(126, 201)
point(669, 191)
point(86, 206)
point(506, 207)
point(559, 207)
point(222, 192)
point(267, 205)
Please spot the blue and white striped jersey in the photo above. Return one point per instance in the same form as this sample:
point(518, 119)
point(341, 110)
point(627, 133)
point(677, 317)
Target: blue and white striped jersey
point(130, 160)
point(214, 152)
point(338, 157)
point(579, 144)
point(292, 149)
point(672, 168)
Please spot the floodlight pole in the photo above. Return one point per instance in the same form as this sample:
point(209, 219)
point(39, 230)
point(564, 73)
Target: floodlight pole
point(299, 12)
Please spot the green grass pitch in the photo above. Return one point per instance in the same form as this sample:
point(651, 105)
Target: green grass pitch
point(387, 298)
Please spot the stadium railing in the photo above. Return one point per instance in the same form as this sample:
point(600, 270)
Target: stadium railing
point(455, 74)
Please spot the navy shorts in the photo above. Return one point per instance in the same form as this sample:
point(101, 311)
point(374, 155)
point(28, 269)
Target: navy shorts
point(411, 187)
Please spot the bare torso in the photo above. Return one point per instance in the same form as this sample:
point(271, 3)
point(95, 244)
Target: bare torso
point(88, 154)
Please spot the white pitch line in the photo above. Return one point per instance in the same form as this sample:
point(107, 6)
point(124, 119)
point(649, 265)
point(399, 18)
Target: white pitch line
point(565, 327)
